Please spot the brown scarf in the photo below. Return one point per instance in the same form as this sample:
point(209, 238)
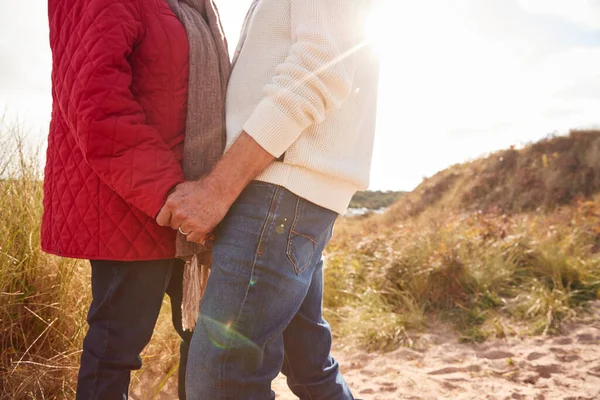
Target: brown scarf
point(205, 128)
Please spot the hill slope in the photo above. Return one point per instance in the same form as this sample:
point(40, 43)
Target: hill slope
point(508, 244)
point(549, 173)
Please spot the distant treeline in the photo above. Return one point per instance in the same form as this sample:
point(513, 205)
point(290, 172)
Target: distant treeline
point(375, 200)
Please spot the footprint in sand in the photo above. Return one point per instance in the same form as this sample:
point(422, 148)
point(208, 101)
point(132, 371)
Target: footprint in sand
point(563, 341)
point(388, 387)
point(558, 350)
point(531, 379)
point(535, 356)
point(447, 371)
point(594, 371)
point(587, 338)
point(568, 357)
point(546, 371)
point(449, 385)
point(496, 355)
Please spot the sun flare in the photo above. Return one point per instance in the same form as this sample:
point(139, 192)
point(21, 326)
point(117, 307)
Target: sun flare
point(376, 25)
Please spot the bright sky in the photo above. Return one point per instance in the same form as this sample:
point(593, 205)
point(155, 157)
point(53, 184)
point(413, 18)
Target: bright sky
point(459, 78)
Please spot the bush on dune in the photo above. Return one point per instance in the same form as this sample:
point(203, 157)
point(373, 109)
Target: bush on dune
point(374, 200)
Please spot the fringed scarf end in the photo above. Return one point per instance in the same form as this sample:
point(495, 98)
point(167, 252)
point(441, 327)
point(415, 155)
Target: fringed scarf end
point(195, 278)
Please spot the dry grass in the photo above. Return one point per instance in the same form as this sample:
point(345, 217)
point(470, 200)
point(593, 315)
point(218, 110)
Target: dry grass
point(41, 308)
point(44, 299)
point(495, 249)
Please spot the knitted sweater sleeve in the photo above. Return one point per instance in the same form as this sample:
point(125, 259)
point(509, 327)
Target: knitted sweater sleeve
point(316, 76)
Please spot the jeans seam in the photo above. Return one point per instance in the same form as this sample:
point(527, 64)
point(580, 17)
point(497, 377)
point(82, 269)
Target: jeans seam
point(286, 359)
point(288, 249)
point(305, 236)
point(270, 216)
point(107, 329)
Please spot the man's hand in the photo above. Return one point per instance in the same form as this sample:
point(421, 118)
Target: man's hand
point(195, 208)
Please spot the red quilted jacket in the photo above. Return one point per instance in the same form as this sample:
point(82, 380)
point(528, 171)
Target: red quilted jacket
point(120, 77)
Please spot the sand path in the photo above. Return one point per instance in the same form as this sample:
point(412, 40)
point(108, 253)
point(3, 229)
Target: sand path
point(541, 368)
point(565, 367)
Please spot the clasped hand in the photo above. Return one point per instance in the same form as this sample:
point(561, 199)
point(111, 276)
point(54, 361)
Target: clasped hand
point(195, 208)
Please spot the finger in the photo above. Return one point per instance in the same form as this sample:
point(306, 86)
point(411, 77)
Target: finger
point(164, 217)
point(177, 220)
point(185, 230)
point(195, 237)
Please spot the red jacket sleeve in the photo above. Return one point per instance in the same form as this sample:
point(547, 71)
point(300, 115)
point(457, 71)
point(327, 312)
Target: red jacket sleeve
point(93, 92)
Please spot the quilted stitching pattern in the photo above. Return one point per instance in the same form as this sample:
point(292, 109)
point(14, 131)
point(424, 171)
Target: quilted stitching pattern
point(120, 76)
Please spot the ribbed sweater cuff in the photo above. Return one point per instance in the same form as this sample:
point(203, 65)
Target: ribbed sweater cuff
point(272, 129)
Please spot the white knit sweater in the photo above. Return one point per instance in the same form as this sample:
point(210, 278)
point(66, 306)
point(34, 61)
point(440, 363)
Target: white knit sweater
point(304, 85)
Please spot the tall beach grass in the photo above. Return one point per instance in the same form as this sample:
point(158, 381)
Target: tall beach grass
point(44, 299)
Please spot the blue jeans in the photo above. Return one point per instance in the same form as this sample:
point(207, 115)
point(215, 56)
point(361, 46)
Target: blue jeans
point(126, 301)
point(262, 310)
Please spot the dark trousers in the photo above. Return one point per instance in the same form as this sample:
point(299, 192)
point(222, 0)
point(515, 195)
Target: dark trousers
point(126, 301)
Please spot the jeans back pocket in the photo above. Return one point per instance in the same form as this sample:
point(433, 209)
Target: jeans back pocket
point(309, 233)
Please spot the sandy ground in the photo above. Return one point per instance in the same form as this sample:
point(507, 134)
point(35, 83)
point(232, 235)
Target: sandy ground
point(542, 368)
